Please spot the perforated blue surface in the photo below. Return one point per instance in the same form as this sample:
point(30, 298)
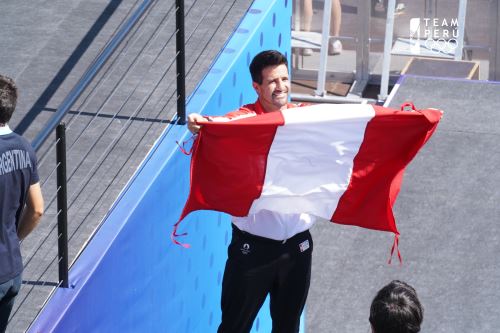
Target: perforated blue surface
point(131, 277)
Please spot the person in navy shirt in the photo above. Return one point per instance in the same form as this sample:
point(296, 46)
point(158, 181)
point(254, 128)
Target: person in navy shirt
point(21, 201)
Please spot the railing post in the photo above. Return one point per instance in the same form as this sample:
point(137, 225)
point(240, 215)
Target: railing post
point(62, 205)
point(181, 63)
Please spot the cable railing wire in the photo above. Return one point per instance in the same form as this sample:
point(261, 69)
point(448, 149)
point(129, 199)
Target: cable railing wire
point(213, 35)
point(134, 32)
point(115, 88)
point(138, 55)
point(87, 77)
point(125, 44)
point(120, 81)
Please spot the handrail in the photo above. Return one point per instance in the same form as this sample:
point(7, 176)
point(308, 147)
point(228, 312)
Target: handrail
point(89, 75)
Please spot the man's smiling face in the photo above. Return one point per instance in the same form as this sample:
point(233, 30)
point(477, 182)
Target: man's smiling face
point(273, 91)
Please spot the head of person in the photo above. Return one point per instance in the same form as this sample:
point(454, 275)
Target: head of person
point(269, 70)
point(8, 98)
point(396, 309)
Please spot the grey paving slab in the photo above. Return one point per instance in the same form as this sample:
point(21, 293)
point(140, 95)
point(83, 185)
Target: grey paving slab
point(447, 213)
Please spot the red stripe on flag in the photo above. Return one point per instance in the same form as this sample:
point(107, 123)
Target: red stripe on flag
point(228, 174)
point(392, 138)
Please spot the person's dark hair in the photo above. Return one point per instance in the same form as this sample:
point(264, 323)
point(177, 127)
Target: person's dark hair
point(263, 60)
point(396, 309)
point(8, 98)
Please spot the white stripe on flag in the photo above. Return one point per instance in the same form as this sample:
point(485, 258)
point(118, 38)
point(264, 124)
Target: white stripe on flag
point(313, 173)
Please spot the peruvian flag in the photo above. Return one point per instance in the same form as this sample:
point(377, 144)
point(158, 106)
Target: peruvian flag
point(341, 162)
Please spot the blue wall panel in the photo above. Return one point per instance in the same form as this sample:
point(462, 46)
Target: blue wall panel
point(131, 277)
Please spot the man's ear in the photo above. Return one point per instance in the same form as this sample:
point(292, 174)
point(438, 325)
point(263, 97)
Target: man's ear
point(256, 87)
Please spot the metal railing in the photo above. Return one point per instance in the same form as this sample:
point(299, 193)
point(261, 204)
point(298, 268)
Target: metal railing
point(54, 122)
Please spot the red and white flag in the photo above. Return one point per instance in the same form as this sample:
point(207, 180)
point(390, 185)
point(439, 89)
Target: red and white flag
point(341, 162)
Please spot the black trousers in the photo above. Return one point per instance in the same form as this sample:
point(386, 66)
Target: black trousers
point(258, 266)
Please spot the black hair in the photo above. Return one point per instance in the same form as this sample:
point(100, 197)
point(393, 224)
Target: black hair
point(396, 309)
point(8, 98)
point(263, 60)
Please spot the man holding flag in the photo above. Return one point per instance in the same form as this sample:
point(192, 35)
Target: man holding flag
point(276, 168)
point(270, 252)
